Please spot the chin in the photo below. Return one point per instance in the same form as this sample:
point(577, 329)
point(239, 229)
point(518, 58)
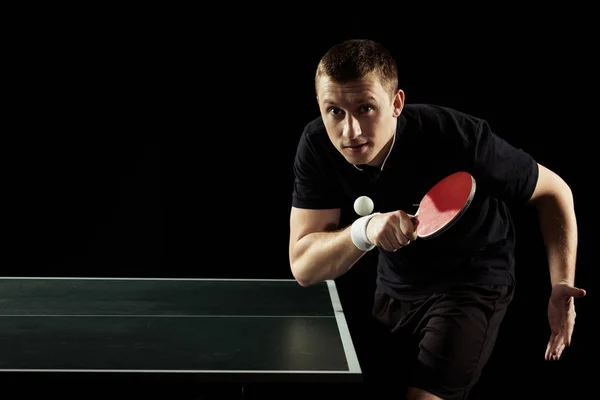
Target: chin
point(361, 157)
point(358, 159)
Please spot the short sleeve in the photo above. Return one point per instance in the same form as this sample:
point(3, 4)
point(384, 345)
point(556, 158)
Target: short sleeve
point(314, 185)
point(507, 172)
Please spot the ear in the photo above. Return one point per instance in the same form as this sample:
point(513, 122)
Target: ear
point(398, 102)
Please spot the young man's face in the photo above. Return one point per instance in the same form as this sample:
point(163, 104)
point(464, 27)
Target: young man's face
point(360, 117)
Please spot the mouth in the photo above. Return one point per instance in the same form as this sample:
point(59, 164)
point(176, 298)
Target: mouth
point(355, 148)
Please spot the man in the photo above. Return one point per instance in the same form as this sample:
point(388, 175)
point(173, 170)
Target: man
point(444, 298)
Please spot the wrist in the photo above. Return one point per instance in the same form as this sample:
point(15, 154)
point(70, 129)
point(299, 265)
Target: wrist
point(561, 278)
point(358, 233)
point(562, 282)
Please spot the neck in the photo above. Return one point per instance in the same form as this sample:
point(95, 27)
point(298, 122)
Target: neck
point(381, 158)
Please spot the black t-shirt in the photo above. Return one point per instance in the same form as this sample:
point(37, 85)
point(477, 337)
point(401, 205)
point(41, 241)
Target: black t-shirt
point(431, 142)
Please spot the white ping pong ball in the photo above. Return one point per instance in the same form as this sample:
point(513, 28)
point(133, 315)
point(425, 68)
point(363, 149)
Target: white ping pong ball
point(363, 205)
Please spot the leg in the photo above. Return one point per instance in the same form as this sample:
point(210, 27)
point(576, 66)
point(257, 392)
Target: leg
point(393, 345)
point(457, 332)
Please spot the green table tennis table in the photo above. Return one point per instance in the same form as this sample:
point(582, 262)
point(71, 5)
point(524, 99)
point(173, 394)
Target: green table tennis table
point(212, 331)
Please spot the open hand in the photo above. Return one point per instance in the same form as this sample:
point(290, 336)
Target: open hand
point(561, 316)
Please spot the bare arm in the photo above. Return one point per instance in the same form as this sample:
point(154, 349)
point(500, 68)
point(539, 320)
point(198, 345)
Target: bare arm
point(553, 200)
point(318, 250)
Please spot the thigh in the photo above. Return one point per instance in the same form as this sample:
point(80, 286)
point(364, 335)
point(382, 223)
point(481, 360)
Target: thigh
point(456, 337)
point(394, 348)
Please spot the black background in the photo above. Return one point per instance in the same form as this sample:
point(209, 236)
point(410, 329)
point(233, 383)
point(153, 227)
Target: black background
point(144, 144)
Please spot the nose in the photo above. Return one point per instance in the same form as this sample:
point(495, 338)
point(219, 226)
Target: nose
point(351, 127)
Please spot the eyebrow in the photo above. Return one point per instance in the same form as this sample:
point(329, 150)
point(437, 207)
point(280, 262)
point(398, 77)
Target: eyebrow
point(358, 100)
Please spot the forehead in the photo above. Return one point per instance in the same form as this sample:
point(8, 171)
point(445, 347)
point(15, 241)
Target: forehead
point(367, 88)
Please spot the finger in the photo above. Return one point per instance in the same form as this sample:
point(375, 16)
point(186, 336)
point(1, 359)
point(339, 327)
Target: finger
point(408, 227)
point(553, 344)
point(558, 341)
point(390, 243)
point(415, 224)
point(559, 351)
point(401, 235)
point(385, 244)
point(549, 346)
point(570, 328)
point(575, 292)
point(402, 239)
point(396, 242)
point(548, 354)
point(557, 345)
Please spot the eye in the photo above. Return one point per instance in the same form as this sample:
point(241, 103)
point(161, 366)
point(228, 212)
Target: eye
point(334, 111)
point(366, 108)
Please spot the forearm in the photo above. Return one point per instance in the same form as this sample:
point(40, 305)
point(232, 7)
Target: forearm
point(323, 255)
point(559, 231)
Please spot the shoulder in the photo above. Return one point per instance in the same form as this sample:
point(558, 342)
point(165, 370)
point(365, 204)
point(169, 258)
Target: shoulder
point(442, 117)
point(444, 125)
point(314, 139)
point(314, 130)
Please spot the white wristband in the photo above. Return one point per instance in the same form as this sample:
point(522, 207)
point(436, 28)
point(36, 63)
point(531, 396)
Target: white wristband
point(358, 233)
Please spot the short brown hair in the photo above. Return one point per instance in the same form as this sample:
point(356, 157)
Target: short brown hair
point(356, 58)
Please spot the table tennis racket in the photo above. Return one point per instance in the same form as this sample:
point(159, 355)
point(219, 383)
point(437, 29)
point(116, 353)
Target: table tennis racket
point(444, 204)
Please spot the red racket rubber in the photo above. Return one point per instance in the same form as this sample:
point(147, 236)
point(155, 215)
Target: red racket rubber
point(444, 204)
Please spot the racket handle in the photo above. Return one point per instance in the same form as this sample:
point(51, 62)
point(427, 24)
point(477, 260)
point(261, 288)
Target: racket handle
point(414, 220)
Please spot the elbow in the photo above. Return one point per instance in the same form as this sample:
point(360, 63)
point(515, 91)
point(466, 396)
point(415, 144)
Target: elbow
point(298, 271)
point(304, 284)
point(301, 277)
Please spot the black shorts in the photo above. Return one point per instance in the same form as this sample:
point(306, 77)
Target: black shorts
point(440, 344)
